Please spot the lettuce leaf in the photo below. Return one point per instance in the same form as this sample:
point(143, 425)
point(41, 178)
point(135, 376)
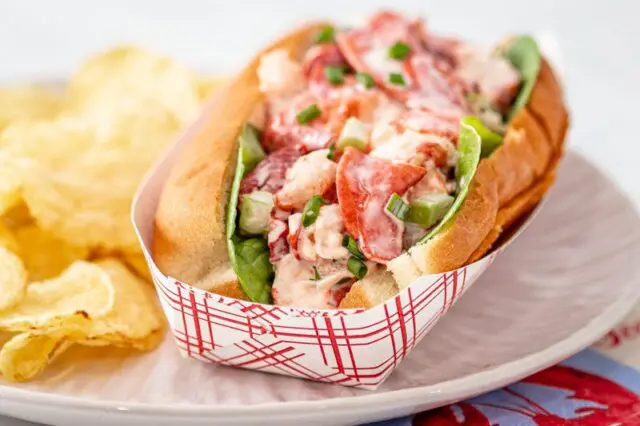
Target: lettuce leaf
point(249, 256)
point(469, 148)
point(524, 54)
point(490, 140)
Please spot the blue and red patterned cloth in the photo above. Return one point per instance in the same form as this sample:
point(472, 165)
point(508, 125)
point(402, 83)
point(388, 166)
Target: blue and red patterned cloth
point(599, 386)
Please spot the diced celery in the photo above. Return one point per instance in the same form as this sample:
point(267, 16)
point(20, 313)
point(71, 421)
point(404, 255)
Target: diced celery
point(255, 211)
point(428, 210)
point(354, 133)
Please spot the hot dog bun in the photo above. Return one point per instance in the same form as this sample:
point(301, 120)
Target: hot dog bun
point(189, 237)
point(508, 184)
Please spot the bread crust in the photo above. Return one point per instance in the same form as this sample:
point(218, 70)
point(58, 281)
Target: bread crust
point(189, 236)
point(450, 248)
point(524, 167)
point(375, 288)
point(189, 241)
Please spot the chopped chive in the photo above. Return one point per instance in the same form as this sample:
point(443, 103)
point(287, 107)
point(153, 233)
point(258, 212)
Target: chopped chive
point(312, 210)
point(325, 35)
point(357, 267)
point(352, 246)
point(397, 207)
point(332, 151)
point(334, 75)
point(399, 51)
point(365, 79)
point(396, 78)
point(308, 114)
point(316, 274)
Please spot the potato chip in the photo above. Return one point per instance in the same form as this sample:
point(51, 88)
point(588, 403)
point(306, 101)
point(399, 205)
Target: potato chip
point(5, 337)
point(138, 264)
point(27, 103)
point(44, 255)
point(135, 315)
point(150, 342)
point(17, 216)
point(80, 172)
point(68, 171)
point(83, 288)
point(26, 355)
point(145, 344)
point(13, 279)
point(77, 172)
point(126, 72)
point(10, 182)
point(8, 239)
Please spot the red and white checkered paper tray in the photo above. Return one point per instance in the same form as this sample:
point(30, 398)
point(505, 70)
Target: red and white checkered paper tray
point(347, 347)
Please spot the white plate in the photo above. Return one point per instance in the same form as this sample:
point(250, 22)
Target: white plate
point(569, 278)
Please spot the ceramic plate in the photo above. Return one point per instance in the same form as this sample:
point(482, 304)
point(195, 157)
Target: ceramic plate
point(558, 288)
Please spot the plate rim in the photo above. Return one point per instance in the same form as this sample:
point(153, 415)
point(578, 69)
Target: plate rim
point(455, 389)
point(445, 391)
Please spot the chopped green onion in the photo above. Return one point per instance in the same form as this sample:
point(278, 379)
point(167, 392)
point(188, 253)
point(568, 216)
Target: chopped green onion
point(357, 267)
point(352, 246)
point(397, 79)
point(325, 35)
point(312, 210)
point(316, 274)
point(397, 207)
point(334, 75)
point(365, 79)
point(355, 134)
point(308, 114)
point(332, 151)
point(399, 51)
point(428, 210)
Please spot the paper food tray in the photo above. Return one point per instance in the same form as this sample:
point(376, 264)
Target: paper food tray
point(348, 347)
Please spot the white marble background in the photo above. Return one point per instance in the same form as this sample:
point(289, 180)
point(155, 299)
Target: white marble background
point(600, 42)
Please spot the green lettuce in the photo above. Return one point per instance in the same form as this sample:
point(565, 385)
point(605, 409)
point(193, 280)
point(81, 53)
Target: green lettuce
point(524, 54)
point(490, 140)
point(469, 148)
point(249, 256)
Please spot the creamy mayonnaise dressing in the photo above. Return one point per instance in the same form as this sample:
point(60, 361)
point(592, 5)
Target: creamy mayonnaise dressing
point(310, 175)
point(322, 239)
point(329, 230)
point(378, 59)
point(493, 74)
point(402, 147)
point(310, 262)
point(279, 75)
point(296, 284)
point(374, 205)
point(303, 237)
point(433, 182)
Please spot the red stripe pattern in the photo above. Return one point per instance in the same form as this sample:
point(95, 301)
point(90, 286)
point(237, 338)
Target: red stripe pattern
point(351, 347)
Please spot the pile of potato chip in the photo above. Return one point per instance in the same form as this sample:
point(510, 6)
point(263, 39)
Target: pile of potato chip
point(71, 270)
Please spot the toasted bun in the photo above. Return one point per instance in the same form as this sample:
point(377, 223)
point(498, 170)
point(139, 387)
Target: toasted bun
point(507, 186)
point(377, 287)
point(189, 237)
point(189, 241)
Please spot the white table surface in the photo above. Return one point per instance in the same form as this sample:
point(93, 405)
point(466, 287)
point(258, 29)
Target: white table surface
point(600, 42)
